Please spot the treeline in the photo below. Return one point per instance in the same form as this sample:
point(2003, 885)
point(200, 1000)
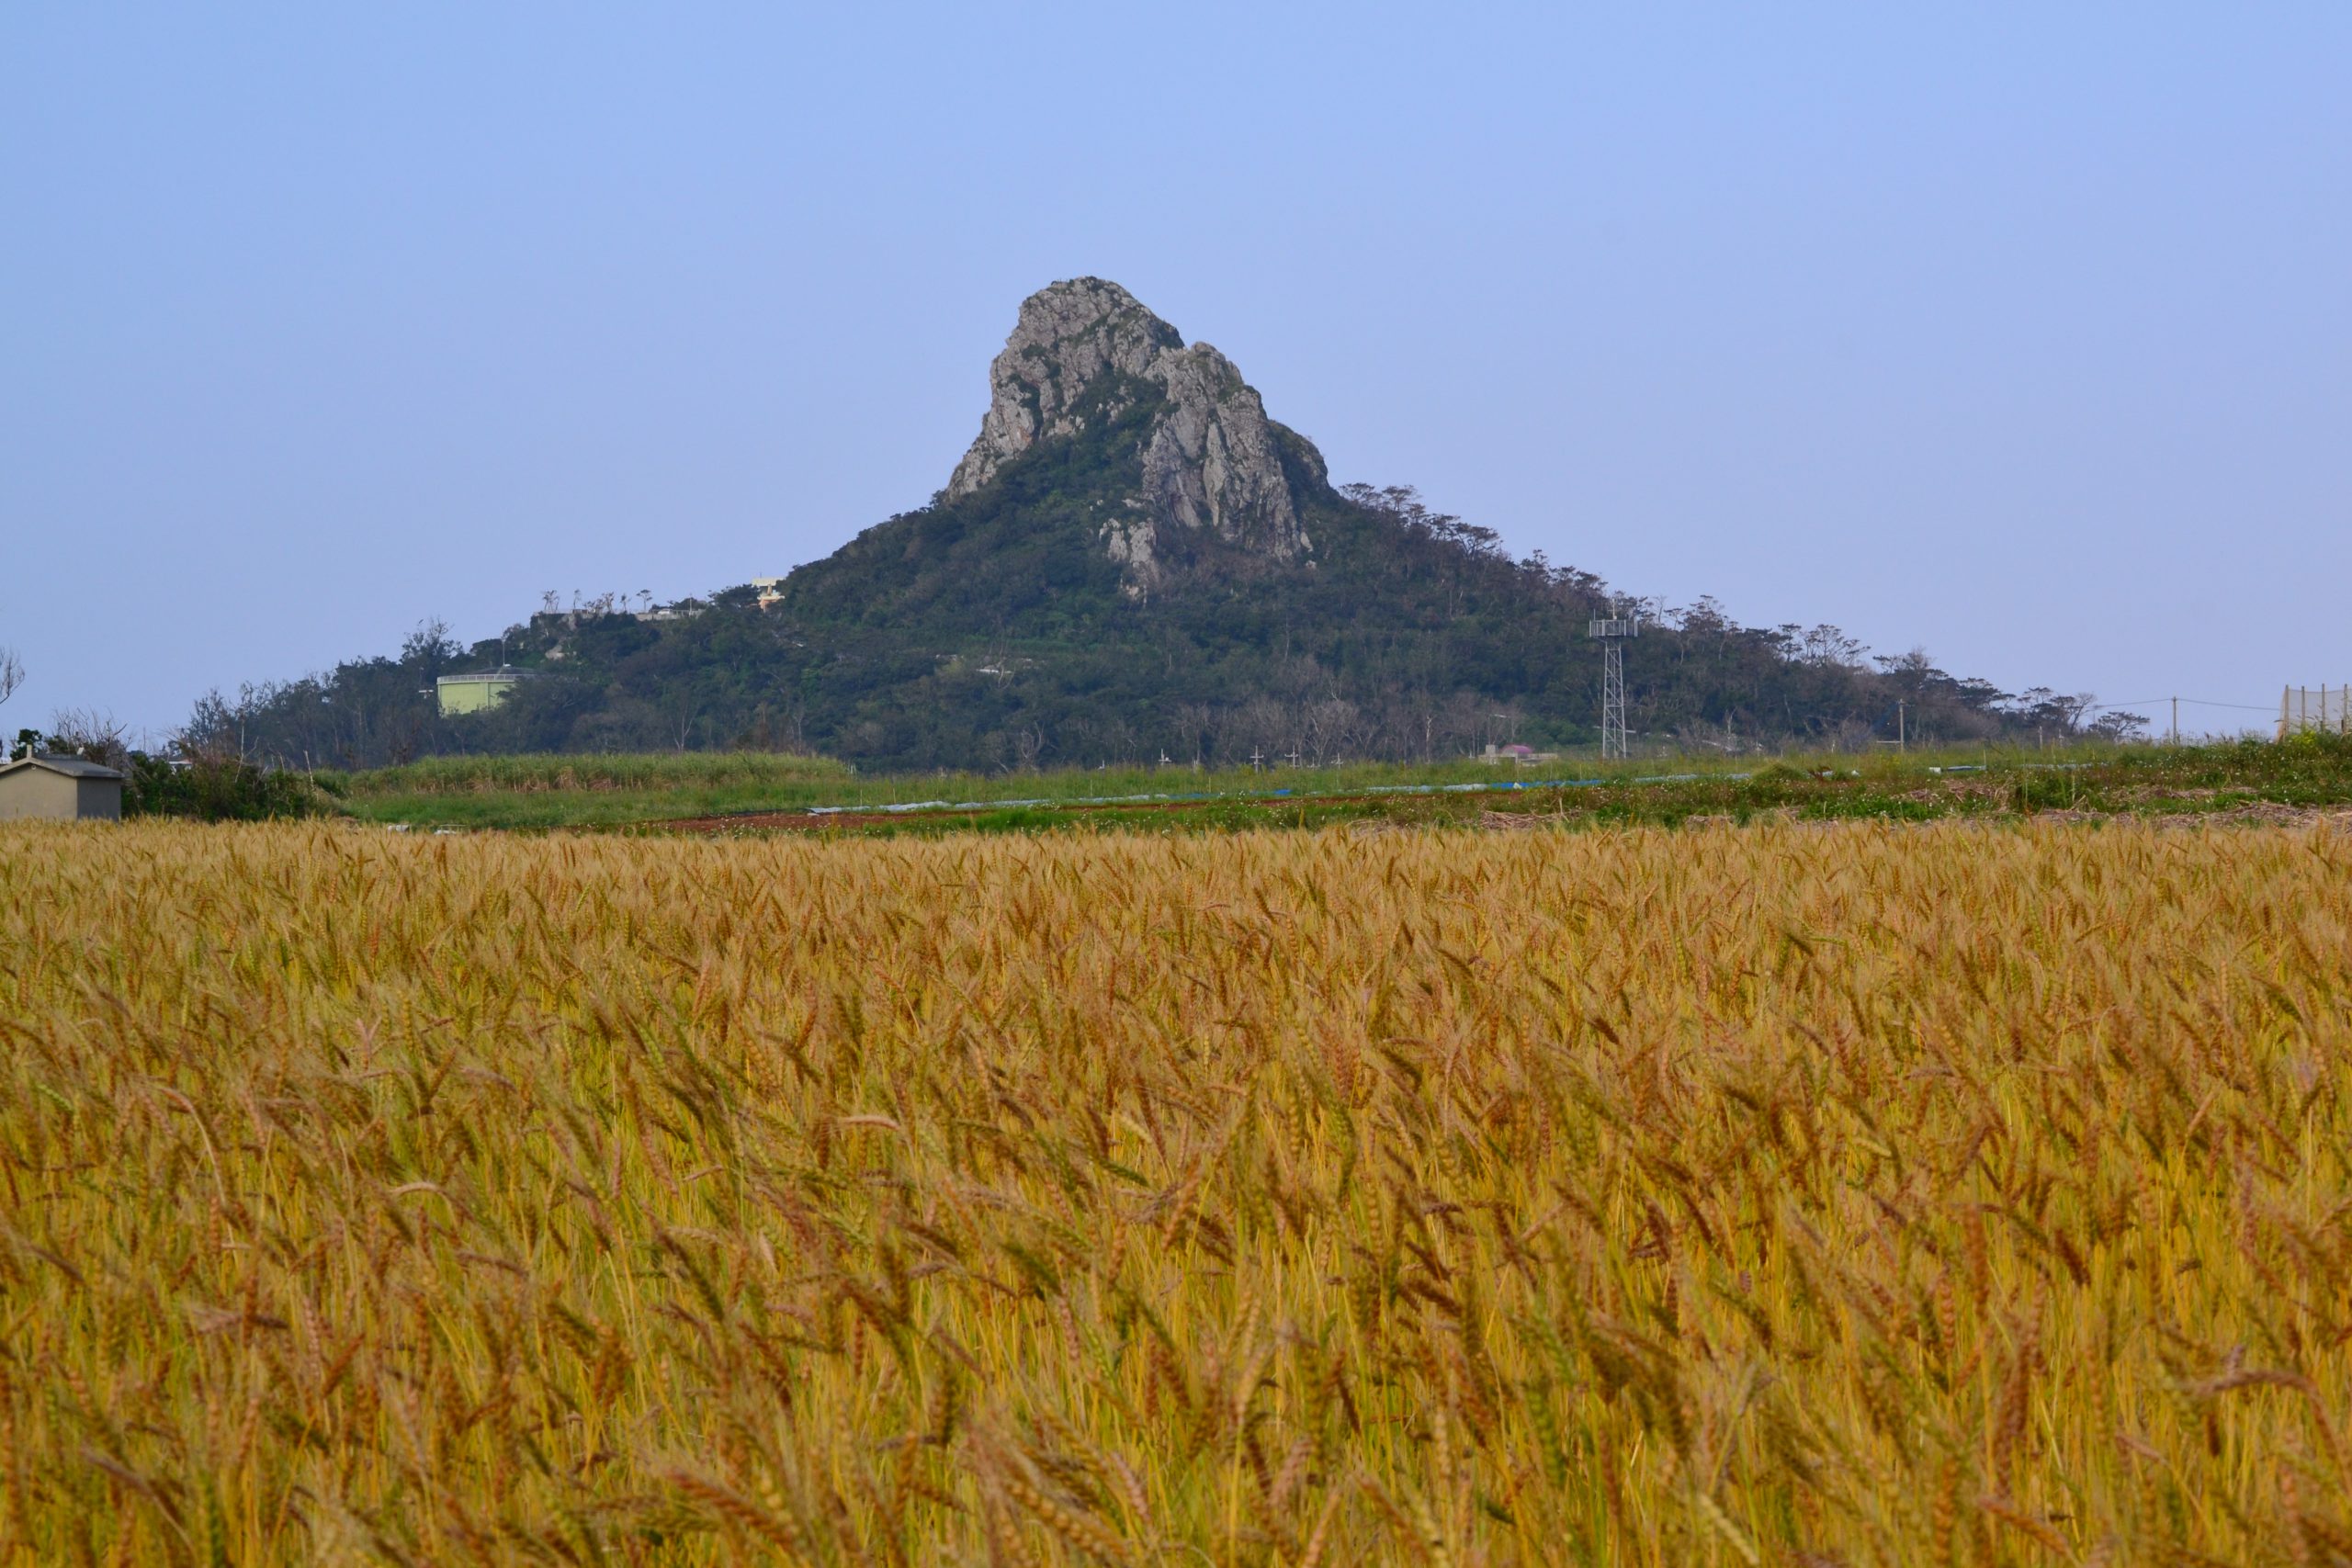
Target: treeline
point(995, 632)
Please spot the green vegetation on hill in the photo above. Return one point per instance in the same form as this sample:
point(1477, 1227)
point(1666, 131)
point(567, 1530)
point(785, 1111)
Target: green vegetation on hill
point(993, 632)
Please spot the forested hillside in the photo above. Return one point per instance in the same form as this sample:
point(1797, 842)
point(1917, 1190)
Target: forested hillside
point(933, 640)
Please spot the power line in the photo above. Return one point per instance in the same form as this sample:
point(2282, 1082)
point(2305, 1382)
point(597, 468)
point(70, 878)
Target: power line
point(2199, 702)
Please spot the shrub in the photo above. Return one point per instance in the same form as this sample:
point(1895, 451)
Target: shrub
point(215, 789)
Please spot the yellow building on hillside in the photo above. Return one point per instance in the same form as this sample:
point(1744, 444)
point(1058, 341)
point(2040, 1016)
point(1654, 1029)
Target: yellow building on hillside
point(477, 692)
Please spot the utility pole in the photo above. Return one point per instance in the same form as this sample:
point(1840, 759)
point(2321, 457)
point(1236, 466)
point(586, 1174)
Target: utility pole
point(1901, 741)
point(1256, 757)
point(2175, 721)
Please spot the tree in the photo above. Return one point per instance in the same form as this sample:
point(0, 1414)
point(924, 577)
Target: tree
point(91, 734)
point(1827, 645)
point(430, 649)
point(1913, 672)
point(12, 673)
point(2117, 725)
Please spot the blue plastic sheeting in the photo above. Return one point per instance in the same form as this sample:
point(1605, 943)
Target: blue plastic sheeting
point(1500, 787)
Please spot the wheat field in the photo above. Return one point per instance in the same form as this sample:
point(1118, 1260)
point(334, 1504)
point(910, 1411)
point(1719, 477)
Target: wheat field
point(1958, 1194)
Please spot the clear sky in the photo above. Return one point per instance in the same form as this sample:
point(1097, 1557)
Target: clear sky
point(2019, 332)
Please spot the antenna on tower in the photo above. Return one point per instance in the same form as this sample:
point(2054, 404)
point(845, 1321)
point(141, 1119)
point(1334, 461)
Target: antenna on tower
point(1611, 631)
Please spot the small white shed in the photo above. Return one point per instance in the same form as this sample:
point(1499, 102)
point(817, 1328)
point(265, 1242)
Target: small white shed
point(60, 789)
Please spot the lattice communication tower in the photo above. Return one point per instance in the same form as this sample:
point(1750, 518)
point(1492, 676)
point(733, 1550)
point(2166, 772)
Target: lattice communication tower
point(1612, 632)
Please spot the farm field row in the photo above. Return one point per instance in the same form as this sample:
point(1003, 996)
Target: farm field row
point(730, 793)
point(1942, 1194)
point(552, 791)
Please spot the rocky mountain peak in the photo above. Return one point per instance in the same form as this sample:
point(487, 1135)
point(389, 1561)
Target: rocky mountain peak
point(1211, 458)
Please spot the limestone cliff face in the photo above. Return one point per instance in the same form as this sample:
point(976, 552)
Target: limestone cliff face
point(1210, 460)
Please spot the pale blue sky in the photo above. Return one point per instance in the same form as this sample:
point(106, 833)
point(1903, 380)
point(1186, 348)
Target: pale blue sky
point(2020, 331)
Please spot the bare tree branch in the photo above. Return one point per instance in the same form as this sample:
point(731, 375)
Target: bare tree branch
point(92, 733)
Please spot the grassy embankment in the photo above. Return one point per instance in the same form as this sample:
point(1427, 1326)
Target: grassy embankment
point(617, 792)
point(584, 790)
point(1713, 1197)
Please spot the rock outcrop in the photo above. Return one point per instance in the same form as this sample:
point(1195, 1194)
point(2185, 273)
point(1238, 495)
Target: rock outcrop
point(1211, 459)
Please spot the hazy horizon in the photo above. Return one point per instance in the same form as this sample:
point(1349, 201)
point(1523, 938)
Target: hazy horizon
point(2021, 337)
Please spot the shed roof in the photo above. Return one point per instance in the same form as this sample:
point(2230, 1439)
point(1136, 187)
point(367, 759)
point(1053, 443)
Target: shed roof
point(73, 767)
